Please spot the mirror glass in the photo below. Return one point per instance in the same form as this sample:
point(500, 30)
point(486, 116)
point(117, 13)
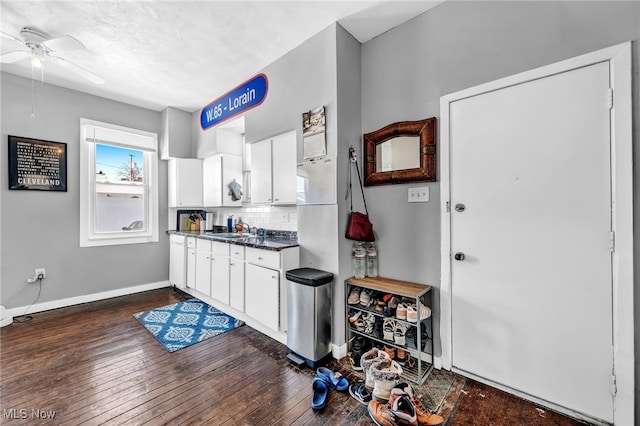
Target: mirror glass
point(399, 153)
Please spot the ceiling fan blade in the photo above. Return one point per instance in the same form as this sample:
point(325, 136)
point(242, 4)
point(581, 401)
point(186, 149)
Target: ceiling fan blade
point(77, 69)
point(11, 57)
point(63, 43)
point(10, 37)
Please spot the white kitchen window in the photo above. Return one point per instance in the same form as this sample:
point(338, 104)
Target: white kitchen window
point(118, 185)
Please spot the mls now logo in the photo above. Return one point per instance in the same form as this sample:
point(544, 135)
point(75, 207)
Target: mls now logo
point(14, 413)
point(23, 413)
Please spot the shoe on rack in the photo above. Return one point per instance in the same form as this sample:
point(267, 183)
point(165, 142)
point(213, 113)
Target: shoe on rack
point(401, 311)
point(424, 337)
point(410, 338)
point(367, 360)
point(360, 392)
point(366, 298)
point(385, 374)
point(360, 325)
point(399, 411)
point(354, 315)
point(425, 312)
point(378, 332)
point(412, 313)
point(391, 351)
point(388, 327)
point(424, 416)
point(402, 356)
point(359, 347)
point(369, 320)
point(368, 328)
point(393, 302)
point(399, 332)
point(354, 296)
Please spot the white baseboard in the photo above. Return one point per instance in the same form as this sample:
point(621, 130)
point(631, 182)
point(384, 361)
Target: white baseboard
point(63, 303)
point(339, 352)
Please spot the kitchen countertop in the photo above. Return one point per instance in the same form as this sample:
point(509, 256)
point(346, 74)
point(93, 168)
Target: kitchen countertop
point(266, 243)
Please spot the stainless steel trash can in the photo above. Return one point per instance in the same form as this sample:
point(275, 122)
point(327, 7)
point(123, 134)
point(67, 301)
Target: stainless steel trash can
point(308, 314)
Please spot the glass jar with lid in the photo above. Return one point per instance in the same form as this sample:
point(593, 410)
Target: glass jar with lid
point(372, 261)
point(359, 259)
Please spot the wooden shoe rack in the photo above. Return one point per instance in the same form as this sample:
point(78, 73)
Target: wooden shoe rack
point(420, 294)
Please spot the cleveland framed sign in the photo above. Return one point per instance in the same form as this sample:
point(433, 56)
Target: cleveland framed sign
point(37, 164)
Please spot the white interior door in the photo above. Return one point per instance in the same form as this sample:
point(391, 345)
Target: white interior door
point(531, 303)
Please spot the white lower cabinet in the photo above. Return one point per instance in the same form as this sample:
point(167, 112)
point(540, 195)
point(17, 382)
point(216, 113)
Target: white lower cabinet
point(249, 280)
point(191, 263)
point(203, 267)
point(262, 295)
point(265, 285)
point(236, 278)
point(220, 272)
point(177, 260)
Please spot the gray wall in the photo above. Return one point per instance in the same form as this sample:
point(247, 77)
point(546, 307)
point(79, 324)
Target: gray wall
point(459, 45)
point(40, 228)
point(349, 134)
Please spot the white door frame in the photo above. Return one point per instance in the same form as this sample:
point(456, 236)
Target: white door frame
point(619, 58)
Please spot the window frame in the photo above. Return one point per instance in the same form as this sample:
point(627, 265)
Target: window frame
point(95, 132)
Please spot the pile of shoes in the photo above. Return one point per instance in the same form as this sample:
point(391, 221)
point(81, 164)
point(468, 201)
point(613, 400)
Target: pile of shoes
point(326, 379)
point(388, 402)
point(388, 304)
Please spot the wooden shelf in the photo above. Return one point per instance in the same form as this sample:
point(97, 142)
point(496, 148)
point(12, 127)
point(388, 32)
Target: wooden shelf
point(389, 285)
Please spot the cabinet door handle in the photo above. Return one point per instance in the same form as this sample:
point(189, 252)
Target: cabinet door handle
point(273, 277)
point(277, 199)
point(232, 264)
point(260, 258)
point(268, 199)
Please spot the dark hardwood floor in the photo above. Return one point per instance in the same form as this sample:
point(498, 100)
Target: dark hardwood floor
point(94, 364)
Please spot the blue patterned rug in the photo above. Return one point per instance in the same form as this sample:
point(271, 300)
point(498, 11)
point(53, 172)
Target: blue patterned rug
point(184, 323)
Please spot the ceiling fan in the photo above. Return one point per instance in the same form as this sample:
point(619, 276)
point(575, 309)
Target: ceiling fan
point(40, 47)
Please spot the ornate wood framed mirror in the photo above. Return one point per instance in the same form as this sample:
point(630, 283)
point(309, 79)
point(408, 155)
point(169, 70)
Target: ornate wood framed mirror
point(401, 152)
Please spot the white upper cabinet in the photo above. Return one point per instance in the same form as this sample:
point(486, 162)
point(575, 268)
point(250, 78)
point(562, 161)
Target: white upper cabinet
point(273, 170)
point(218, 172)
point(185, 182)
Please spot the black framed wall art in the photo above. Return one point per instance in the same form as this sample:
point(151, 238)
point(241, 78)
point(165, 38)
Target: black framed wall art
point(36, 164)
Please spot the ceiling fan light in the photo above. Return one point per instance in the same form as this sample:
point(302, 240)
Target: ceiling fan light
point(36, 62)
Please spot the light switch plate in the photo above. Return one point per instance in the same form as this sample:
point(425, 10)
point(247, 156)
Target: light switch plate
point(419, 194)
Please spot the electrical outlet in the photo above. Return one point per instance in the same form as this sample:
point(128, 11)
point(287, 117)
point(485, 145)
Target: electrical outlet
point(40, 271)
point(419, 194)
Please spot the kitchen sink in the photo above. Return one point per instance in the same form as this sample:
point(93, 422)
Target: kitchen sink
point(231, 235)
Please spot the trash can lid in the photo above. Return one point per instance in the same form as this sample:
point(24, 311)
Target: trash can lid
point(309, 276)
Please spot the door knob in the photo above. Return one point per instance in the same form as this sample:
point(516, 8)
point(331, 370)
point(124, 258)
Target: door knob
point(459, 256)
point(460, 207)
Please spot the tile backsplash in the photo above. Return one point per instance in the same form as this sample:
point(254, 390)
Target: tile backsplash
point(282, 218)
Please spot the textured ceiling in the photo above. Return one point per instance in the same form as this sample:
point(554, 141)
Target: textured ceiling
point(183, 54)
